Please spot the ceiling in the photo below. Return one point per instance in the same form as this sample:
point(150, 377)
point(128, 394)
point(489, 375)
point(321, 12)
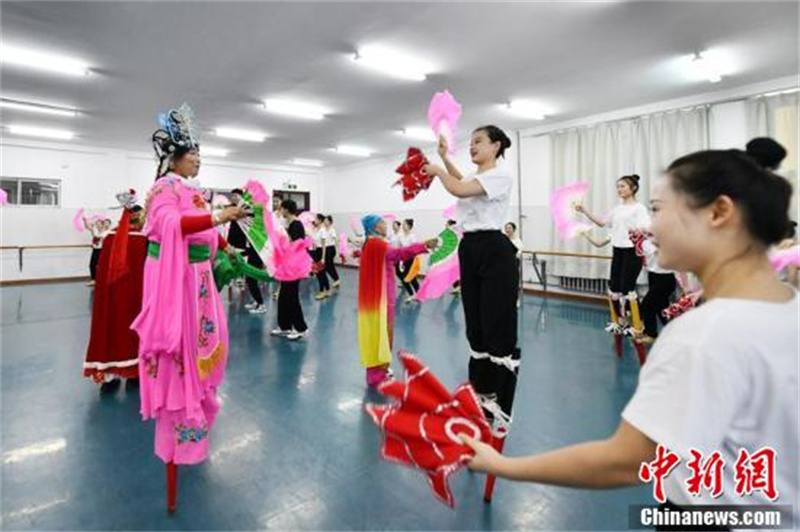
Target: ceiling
point(579, 58)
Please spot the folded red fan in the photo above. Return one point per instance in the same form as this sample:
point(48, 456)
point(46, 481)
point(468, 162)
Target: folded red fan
point(414, 178)
point(422, 427)
point(638, 236)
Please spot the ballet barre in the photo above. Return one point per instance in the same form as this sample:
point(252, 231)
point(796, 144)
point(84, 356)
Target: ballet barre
point(21, 249)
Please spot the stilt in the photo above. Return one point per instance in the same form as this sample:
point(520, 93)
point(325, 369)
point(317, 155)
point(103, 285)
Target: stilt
point(618, 347)
point(172, 487)
point(638, 327)
point(498, 444)
point(641, 351)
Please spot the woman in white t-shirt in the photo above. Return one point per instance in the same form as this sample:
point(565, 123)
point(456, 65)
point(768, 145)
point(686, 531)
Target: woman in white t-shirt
point(722, 377)
point(626, 215)
point(661, 285)
point(330, 251)
point(404, 239)
point(489, 273)
point(318, 254)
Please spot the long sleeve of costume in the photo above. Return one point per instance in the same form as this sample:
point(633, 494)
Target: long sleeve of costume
point(395, 255)
point(195, 223)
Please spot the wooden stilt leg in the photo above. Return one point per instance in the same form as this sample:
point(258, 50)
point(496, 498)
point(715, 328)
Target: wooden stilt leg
point(498, 444)
point(172, 487)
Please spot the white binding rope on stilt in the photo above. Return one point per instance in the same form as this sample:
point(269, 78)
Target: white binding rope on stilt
point(508, 362)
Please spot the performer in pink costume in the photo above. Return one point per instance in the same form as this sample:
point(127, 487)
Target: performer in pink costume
point(183, 331)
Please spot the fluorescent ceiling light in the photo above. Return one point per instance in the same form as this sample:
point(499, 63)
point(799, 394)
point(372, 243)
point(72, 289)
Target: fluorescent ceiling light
point(213, 152)
point(527, 109)
point(707, 66)
point(392, 63)
point(419, 133)
point(29, 107)
point(240, 134)
point(47, 133)
point(356, 151)
point(307, 162)
point(59, 64)
point(295, 109)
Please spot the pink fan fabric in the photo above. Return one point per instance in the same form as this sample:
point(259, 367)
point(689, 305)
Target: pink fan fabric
point(77, 221)
point(289, 260)
point(3, 197)
point(450, 212)
point(355, 225)
point(784, 258)
point(439, 280)
point(562, 208)
point(443, 115)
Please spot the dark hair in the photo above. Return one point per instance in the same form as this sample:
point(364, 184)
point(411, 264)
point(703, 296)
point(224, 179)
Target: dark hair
point(496, 134)
point(237, 191)
point(396, 223)
point(513, 225)
point(792, 230)
point(451, 222)
point(329, 218)
point(320, 217)
point(632, 180)
point(766, 152)
point(762, 196)
point(290, 205)
point(409, 222)
point(136, 208)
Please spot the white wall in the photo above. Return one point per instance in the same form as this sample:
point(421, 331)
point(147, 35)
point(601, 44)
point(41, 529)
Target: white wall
point(90, 177)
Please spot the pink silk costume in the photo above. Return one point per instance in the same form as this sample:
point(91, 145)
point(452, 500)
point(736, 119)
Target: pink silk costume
point(183, 330)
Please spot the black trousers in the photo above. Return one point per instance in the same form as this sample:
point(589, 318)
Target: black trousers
point(290, 313)
point(252, 285)
point(93, 262)
point(625, 269)
point(330, 263)
point(322, 276)
point(489, 291)
point(412, 287)
point(661, 288)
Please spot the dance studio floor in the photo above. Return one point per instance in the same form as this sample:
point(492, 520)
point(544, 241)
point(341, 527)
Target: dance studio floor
point(292, 448)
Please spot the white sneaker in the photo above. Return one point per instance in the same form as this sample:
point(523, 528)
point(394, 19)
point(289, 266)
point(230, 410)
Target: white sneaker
point(252, 305)
point(409, 299)
point(336, 284)
point(280, 332)
point(259, 309)
point(275, 296)
point(294, 335)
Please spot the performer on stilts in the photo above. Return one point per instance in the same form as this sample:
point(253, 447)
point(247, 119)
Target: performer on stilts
point(182, 328)
point(489, 273)
point(626, 265)
point(376, 295)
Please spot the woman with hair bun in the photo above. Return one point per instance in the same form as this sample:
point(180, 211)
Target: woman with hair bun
point(627, 215)
point(489, 273)
point(720, 378)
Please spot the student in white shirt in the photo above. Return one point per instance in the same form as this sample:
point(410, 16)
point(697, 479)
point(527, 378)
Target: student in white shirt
point(721, 377)
point(330, 252)
point(626, 215)
point(489, 273)
point(407, 238)
point(318, 255)
point(510, 231)
point(661, 285)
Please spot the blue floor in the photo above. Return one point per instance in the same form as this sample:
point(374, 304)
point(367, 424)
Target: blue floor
point(292, 448)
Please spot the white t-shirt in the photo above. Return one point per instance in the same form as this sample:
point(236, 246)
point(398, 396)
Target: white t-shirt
point(723, 377)
point(624, 217)
point(394, 239)
point(406, 239)
point(651, 258)
point(489, 211)
point(330, 236)
point(319, 237)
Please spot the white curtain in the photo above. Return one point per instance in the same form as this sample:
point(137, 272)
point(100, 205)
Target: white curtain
point(602, 153)
point(777, 117)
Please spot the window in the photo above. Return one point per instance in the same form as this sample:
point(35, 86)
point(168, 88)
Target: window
point(23, 191)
